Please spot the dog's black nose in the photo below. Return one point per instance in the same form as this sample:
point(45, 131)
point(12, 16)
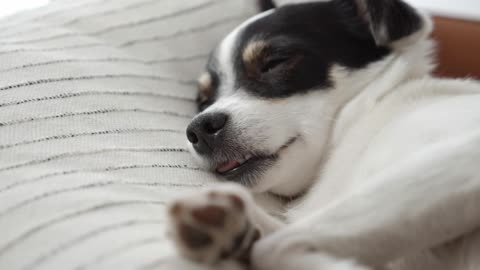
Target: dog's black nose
point(204, 131)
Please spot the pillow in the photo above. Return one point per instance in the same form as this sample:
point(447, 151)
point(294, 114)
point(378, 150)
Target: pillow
point(95, 96)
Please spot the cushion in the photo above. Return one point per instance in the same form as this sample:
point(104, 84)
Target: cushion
point(95, 96)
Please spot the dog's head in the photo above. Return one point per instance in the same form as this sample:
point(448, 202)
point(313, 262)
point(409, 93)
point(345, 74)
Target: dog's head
point(273, 86)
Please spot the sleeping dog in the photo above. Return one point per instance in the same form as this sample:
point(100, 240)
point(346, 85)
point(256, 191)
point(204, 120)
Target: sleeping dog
point(331, 107)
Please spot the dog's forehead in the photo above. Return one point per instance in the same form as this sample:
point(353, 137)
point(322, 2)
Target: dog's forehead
point(298, 19)
point(290, 50)
point(222, 61)
point(246, 41)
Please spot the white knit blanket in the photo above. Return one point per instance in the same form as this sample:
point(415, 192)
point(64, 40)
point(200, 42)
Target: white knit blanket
point(95, 96)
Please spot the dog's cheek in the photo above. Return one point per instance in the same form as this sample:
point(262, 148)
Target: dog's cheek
point(256, 123)
point(266, 123)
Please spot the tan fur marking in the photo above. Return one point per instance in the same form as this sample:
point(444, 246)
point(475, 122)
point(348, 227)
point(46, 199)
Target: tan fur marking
point(205, 82)
point(253, 57)
point(205, 86)
point(253, 51)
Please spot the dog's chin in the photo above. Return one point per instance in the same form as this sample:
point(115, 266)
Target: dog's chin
point(243, 165)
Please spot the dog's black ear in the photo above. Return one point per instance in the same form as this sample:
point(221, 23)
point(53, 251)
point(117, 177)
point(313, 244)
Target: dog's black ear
point(265, 5)
point(387, 20)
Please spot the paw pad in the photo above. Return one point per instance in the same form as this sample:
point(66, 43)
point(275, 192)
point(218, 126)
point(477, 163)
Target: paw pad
point(213, 226)
point(193, 237)
point(210, 215)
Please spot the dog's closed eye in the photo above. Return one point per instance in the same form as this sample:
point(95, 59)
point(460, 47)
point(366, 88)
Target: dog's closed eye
point(274, 63)
point(261, 59)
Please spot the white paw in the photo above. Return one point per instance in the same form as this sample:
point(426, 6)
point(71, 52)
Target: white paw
point(287, 250)
point(213, 225)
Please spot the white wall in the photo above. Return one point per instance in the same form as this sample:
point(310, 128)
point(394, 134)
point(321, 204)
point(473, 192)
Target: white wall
point(466, 9)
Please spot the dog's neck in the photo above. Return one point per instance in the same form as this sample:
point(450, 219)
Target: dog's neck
point(357, 92)
point(368, 87)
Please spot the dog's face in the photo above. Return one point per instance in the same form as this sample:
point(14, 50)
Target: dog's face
point(273, 86)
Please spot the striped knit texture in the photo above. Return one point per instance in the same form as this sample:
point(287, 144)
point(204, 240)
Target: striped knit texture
point(95, 96)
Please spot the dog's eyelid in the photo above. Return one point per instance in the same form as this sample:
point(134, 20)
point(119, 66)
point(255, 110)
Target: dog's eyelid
point(289, 51)
point(273, 62)
point(281, 52)
point(285, 59)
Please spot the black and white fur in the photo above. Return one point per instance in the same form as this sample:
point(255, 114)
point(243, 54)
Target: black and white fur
point(333, 103)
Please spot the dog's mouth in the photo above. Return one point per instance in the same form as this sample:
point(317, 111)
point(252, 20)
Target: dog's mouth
point(233, 164)
point(250, 163)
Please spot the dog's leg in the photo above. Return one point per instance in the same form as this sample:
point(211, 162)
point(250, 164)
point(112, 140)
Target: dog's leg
point(219, 224)
point(414, 205)
point(223, 223)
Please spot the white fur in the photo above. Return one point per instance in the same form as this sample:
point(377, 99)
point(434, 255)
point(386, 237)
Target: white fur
point(390, 158)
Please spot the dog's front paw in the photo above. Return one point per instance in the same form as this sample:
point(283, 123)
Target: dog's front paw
point(296, 249)
point(212, 226)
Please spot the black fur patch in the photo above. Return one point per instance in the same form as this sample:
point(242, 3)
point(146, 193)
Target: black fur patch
point(265, 5)
point(395, 17)
point(303, 42)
